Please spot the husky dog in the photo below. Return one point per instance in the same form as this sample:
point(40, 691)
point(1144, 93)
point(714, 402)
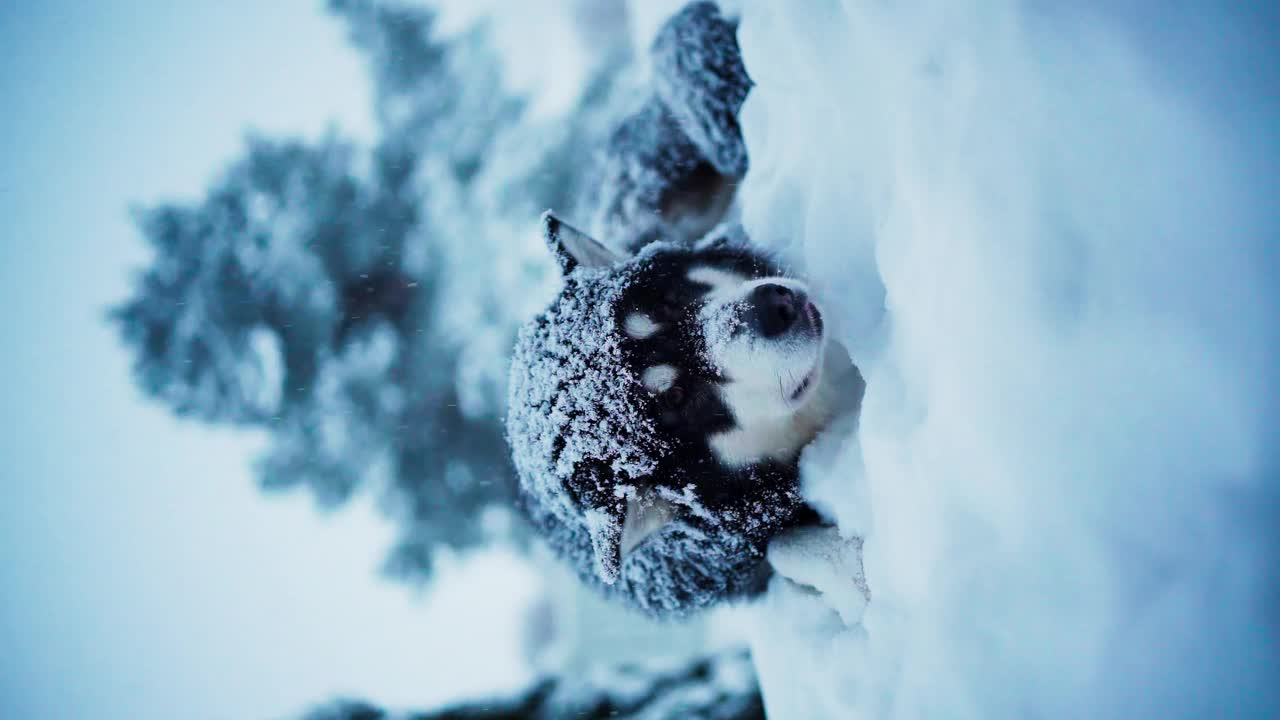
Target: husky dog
point(658, 407)
point(657, 410)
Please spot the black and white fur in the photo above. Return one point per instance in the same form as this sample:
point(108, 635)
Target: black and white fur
point(720, 359)
point(725, 361)
point(670, 169)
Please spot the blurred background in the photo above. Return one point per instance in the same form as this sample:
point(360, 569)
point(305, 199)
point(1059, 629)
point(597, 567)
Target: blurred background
point(262, 266)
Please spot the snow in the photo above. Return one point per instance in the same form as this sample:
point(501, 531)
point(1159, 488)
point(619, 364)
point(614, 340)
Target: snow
point(1050, 258)
point(575, 419)
point(1043, 248)
point(720, 687)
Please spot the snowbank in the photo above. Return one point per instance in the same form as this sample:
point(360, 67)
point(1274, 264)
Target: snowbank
point(1050, 252)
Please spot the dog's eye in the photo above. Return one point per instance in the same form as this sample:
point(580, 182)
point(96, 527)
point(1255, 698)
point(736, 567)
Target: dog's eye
point(673, 398)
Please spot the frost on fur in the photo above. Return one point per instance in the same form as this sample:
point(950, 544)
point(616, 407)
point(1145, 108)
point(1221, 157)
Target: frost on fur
point(584, 446)
point(574, 427)
point(670, 169)
point(699, 76)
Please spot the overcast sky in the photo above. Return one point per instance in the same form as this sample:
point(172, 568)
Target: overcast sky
point(142, 575)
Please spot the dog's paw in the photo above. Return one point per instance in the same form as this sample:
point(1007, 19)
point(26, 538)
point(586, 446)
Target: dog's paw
point(819, 559)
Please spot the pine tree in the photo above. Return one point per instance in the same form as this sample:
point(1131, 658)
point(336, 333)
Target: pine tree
point(346, 300)
point(720, 687)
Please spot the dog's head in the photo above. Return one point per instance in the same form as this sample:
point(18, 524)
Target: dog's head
point(729, 349)
point(666, 394)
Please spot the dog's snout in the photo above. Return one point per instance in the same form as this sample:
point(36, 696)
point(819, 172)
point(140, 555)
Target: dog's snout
point(776, 308)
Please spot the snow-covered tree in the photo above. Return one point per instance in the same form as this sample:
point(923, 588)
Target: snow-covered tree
point(721, 687)
point(358, 304)
point(293, 298)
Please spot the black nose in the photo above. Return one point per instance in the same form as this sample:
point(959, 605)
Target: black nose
point(774, 309)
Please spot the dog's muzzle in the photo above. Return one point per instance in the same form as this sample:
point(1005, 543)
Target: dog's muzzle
point(774, 310)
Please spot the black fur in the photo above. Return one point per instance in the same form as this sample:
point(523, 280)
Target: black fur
point(691, 410)
point(678, 158)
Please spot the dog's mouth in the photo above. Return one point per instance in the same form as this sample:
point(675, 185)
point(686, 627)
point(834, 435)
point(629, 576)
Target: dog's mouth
point(814, 316)
point(805, 385)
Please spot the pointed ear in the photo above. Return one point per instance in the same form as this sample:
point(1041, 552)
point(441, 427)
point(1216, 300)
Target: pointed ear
point(617, 528)
point(604, 526)
point(572, 247)
point(646, 515)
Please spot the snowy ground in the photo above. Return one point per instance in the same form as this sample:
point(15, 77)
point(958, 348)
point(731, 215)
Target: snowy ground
point(1049, 238)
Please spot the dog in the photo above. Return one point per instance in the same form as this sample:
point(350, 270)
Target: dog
point(658, 408)
point(657, 411)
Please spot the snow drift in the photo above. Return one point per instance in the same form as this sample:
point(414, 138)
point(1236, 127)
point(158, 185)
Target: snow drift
point(1048, 239)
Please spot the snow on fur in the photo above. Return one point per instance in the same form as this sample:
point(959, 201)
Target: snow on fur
point(698, 74)
point(583, 445)
point(1045, 248)
point(574, 423)
point(683, 139)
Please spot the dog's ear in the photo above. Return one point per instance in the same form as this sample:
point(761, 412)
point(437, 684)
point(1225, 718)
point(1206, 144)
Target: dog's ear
point(619, 526)
point(572, 247)
point(604, 526)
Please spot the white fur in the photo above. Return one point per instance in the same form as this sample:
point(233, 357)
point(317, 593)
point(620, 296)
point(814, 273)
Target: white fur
point(726, 286)
point(819, 558)
point(640, 326)
point(781, 437)
point(762, 373)
point(659, 378)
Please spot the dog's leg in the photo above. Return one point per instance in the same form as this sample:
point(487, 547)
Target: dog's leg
point(819, 559)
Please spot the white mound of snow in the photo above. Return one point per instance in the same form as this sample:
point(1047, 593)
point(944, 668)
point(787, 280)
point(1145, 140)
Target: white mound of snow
point(1050, 248)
